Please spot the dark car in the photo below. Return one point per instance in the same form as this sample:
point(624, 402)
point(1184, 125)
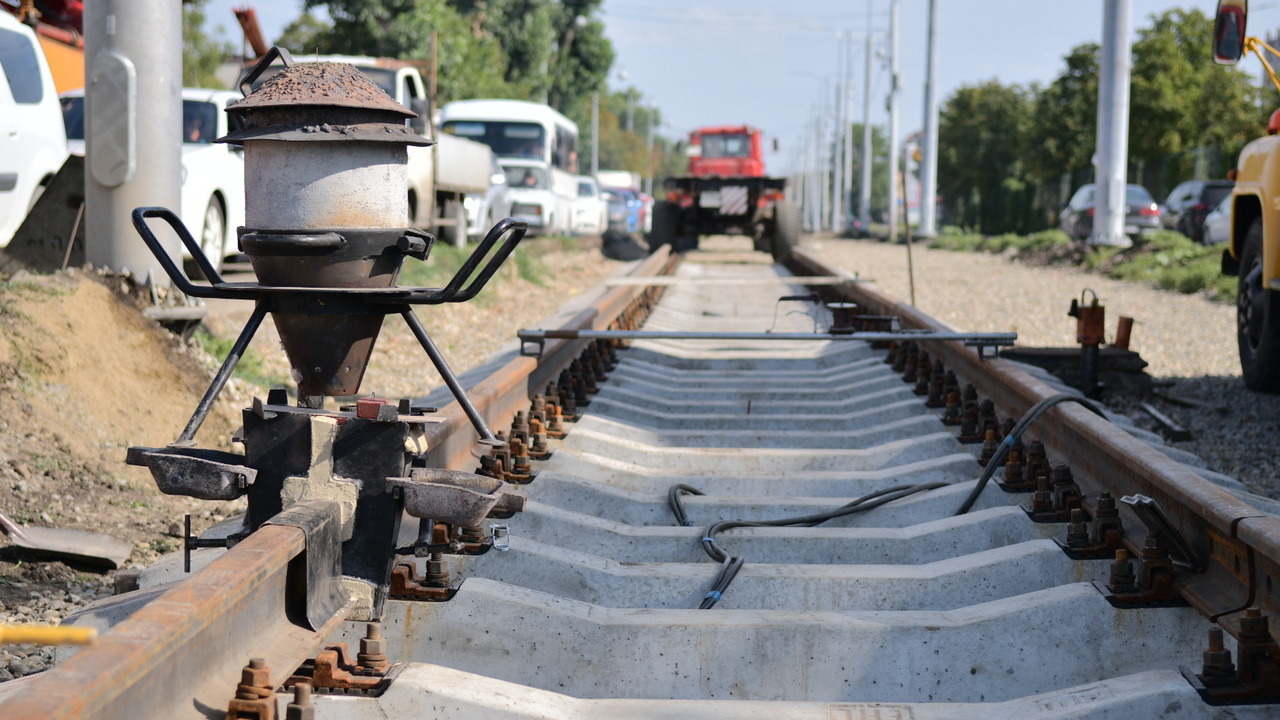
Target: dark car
point(1142, 215)
point(1190, 202)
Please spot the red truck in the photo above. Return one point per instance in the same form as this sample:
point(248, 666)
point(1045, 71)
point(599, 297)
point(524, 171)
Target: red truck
point(726, 193)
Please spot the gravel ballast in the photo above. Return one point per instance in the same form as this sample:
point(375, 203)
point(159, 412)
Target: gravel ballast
point(1188, 340)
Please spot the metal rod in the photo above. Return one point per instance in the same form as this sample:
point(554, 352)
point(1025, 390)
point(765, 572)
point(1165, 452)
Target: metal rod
point(669, 280)
point(224, 374)
point(442, 367)
point(992, 338)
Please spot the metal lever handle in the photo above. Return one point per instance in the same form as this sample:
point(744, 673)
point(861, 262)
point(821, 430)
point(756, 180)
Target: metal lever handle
point(246, 85)
point(453, 292)
point(140, 216)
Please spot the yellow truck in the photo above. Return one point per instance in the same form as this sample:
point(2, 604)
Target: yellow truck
point(1253, 253)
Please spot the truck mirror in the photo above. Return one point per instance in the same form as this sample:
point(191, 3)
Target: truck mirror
point(679, 147)
point(1229, 31)
point(775, 144)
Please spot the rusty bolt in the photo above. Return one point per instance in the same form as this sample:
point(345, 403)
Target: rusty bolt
point(373, 649)
point(301, 708)
point(1254, 626)
point(1077, 529)
point(989, 447)
point(951, 416)
point(1013, 467)
point(437, 574)
point(1042, 499)
point(1217, 669)
point(1121, 580)
point(891, 357)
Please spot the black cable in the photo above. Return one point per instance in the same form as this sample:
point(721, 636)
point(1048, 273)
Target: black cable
point(1011, 439)
point(730, 565)
point(674, 493)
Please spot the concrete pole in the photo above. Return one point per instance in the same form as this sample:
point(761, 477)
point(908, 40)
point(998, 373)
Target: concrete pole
point(133, 111)
point(929, 163)
point(648, 163)
point(837, 206)
point(846, 129)
point(595, 133)
point(1113, 126)
point(864, 199)
point(893, 121)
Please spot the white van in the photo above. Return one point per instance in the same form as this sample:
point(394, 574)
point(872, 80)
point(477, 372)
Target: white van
point(33, 144)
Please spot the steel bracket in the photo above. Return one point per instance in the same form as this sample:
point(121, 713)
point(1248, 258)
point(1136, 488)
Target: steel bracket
point(314, 591)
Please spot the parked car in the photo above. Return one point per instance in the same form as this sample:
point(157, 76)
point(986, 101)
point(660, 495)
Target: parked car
point(212, 173)
point(484, 211)
point(1217, 224)
point(591, 211)
point(531, 198)
point(32, 142)
point(624, 210)
point(1142, 215)
point(1189, 203)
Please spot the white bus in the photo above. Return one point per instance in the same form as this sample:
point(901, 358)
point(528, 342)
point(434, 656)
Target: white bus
point(537, 148)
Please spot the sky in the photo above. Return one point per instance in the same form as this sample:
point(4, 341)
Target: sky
point(773, 63)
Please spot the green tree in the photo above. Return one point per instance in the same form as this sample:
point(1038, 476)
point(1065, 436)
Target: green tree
point(983, 136)
point(470, 63)
point(1065, 118)
point(307, 34)
point(1181, 100)
point(201, 53)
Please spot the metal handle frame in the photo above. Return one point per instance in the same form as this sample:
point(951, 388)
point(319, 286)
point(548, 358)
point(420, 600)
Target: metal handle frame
point(354, 300)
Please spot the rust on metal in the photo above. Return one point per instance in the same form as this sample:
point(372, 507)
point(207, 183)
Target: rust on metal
point(1106, 460)
point(235, 603)
point(325, 84)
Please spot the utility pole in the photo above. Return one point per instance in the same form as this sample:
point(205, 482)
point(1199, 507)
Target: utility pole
point(1112, 152)
point(929, 164)
point(837, 207)
point(133, 95)
point(595, 133)
point(893, 121)
point(864, 200)
point(846, 129)
point(648, 163)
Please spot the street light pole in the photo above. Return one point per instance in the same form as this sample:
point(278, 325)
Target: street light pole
point(595, 133)
point(864, 204)
point(648, 181)
point(929, 167)
point(893, 121)
point(1113, 126)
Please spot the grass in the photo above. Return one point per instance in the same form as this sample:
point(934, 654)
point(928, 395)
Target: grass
point(1166, 259)
point(250, 368)
point(1173, 262)
point(526, 262)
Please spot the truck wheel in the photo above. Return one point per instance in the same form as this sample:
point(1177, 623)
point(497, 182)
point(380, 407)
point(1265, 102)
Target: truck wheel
point(786, 230)
point(455, 234)
point(213, 235)
point(1257, 318)
point(666, 225)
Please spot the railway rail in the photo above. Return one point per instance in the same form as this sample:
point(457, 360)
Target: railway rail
point(718, 488)
point(1024, 606)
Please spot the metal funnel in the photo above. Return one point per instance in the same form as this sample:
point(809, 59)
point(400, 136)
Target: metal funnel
point(326, 202)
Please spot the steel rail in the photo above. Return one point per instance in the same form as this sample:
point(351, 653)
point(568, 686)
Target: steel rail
point(992, 338)
point(1240, 544)
point(180, 655)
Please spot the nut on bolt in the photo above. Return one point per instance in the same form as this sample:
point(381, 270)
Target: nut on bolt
point(373, 649)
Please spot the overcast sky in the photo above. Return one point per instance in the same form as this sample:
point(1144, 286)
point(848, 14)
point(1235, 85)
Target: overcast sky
point(766, 62)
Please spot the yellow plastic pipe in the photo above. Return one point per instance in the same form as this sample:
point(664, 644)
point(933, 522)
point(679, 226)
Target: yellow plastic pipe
point(48, 634)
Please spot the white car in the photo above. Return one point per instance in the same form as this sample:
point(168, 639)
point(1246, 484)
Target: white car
point(591, 210)
point(212, 173)
point(484, 211)
point(531, 198)
point(1217, 224)
point(32, 143)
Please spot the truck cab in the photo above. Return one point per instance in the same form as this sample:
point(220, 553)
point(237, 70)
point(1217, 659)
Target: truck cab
point(730, 151)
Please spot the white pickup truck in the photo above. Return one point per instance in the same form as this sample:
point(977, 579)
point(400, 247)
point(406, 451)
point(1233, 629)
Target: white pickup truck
point(441, 175)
